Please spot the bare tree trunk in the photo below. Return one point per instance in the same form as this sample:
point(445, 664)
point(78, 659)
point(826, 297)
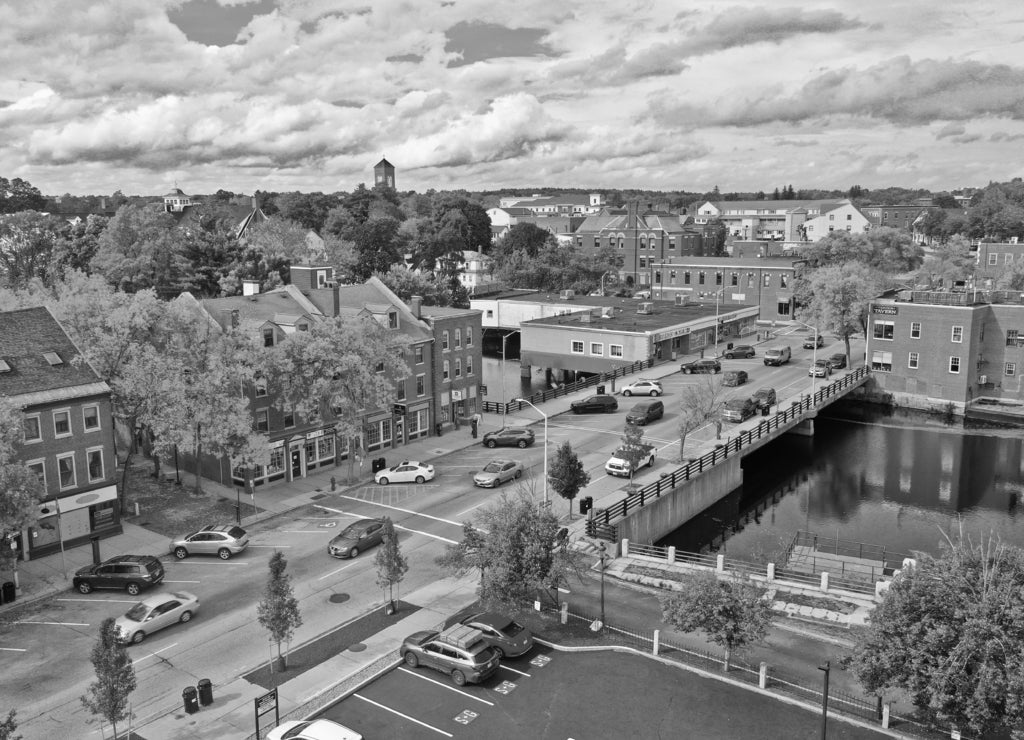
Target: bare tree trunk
point(198, 488)
point(682, 445)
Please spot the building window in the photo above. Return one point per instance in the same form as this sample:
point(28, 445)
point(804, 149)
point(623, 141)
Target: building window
point(734, 279)
point(915, 329)
point(643, 263)
point(39, 468)
point(289, 419)
point(954, 364)
point(686, 278)
point(750, 280)
point(469, 365)
point(615, 350)
point(957, 334)
point(446, 371)
point(420, 385)
point(1010, 368)
point(577, 347)
point(392, 319)
point(672, 276)
point(490, 313)
point(701, 277)
point(418, 354)
point(671, 242)
point(881, 361)
point(718, 278)
point(262, 420)
point(66, 471)
point(884, 330)
point(458, 339)
point(1011, 337)
point(849, 217)
point(400, 390)
point(61, 423)
point(458, 368)
point(268, 337)
point(33, 432)
point(912, 360)
point(469, 336)
point(993, 259)
point(91, 418)
point(261, 387)
point(444, 341)
point(784, 308)
point(379, 367)
point(767, 280)
point(597, 349)
point(783, 281)
point(94, 462)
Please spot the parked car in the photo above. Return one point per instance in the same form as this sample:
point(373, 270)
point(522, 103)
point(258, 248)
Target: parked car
point(407, 471)
point(317, 729)
point(739, 409)
point(356, 537)
point(642, 295)
point(618, 464)
point(497, 472)
point(509, 437)
point(643, 387)
point(777, 355)
point(815, 340)
point(503, 634)
point(701, 366)
point(837, 361)
point(645, 412)
point(765, 398)
point(222, 540)
point(132, 573)
point(734, 377)
point(740, 350)
point(458, 651)
point(154, 613)
point(601, 404)
point(820, 369)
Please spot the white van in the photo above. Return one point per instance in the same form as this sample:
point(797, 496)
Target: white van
point(777, 355)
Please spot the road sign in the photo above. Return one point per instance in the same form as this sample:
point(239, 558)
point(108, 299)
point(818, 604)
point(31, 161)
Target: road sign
point(483, 389)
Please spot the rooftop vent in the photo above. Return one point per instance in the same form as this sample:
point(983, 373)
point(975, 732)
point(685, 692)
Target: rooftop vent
point(567, 295)
point(53, 358)
point(645, 308)
point(607, 312)
point(4, 367)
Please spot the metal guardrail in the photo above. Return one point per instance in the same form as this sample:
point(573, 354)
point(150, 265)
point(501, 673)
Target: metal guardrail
point(848, 548)
point(670, 481)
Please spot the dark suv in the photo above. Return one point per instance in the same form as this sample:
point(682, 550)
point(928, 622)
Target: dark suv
point(129, 572)
point(595, 405)
point(509, 437)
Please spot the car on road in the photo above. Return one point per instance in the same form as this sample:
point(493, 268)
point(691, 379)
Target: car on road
point(777, 355)
point(739, 409)
point(735, 377)
point(643, 387)
point(131, 573)
point(222, 540)
point(503, 634)
point(701, 366)
point(317, 729)
point(497, 472)
point(645, 412)
point(459, 651)
point(815, 340)
point(820, 369)
point(407, 471)
point(154, 613)
point(765, 398)
point(509, 437)
point(740, 350)
point(837, 361)
point(600, 404)
point(619, 463)
point(356, 537)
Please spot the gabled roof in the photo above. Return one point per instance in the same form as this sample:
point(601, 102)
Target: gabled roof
point(383, 163)
point(26, 335)
point(370, 297)
point(621, 220)
point(275, 306)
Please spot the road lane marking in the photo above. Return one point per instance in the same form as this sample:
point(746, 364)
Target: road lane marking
point(506, 668)
point(336, 571)
point(53, 624)
point(217, 562)
point(154, 653)
point(397, 508)
point(275, 546)
point(466, 511)
point(108, 601)
point(166, 581)
point(316, 531)
point(404, 716)
point(14, 650)
point(444, 685)
point(427, 534)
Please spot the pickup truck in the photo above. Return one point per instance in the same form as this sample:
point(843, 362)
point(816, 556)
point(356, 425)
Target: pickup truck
point(618, 464)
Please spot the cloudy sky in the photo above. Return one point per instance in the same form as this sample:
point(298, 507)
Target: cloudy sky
point(99, 95)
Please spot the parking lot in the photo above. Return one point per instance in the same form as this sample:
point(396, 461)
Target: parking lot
point(551, 694)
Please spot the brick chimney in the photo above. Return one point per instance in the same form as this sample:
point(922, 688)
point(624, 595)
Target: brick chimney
point(416, 305)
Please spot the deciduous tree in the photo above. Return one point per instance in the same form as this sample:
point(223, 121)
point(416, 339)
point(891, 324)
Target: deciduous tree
point(949, 261)
point(835, 299)
point(278, 610)
point(20, 488)
point(20, 195)
point(391, 563)
point(141, 248)
point(699, 402)
point(28, 241)
point(115, 677)
point(8, 726)
point(567, 475)
point(633, 448)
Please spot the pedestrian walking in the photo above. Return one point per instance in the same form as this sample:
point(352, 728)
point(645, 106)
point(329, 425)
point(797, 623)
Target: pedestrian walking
point(475, 423)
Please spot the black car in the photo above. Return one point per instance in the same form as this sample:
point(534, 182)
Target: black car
point(739, 409)
point(509, 437)
point(740, 350)
point(765, 398)
point(837, 361)
point(131, 573)
point(601, 404)
point(735, 377)
point(356, 537)
point(701, 366)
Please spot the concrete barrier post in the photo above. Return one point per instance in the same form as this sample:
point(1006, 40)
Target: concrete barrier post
point(657, 641)
point(625, 548)
point(671, 556)
point(885, 716)
point(770, 575)
point(824, 581)
point(563, 612)
point(762, 676)
point(720, 564)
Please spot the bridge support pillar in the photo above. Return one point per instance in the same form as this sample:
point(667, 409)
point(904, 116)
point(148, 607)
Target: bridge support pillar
point(804, 429)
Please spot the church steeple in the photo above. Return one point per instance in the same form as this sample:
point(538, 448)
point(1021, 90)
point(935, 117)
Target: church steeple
point(384, 174)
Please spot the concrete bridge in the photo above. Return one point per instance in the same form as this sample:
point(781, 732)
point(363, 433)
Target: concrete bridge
point(649, 513)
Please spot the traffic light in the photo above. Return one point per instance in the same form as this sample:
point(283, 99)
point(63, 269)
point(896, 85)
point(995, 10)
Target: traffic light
point(586, 504)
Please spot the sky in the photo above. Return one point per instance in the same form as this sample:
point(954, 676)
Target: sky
point(143, 95)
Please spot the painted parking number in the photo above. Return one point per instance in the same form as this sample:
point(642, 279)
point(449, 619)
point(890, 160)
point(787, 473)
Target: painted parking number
point(505, 687)
point(540, 661)
point(466, 716)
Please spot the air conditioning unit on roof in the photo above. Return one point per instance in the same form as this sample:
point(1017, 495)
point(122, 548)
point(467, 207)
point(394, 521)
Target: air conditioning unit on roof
point(680, 299)
point(645, 308)
point(567, 295)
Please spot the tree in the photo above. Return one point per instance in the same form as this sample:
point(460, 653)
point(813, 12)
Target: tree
point(469, 554)
point(406, 283)
point(378, 245)
point(140, 248)
point(280, 239)
point(699, 403)
point(8, 726)
point(115, 677)
point(525, 237)
point(950, 261)
point(391, 563)
point(950, 632)
point(19, 195)
point(28, 241)
point(567, 475)
point(307, 209)
point(732, 614)
point(633, 449)
point(835, 298)
point(79, 245)
point(20, 488)
point(278, 610)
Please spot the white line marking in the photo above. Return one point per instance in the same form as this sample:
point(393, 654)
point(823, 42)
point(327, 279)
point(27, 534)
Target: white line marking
point(444, 685)
point(316, 531)
point(107, 601)
point(218, 562)
point(275, 546)
point(335, 571)
point(564, 590)
point(166, 581)
point(404, 511)
point(154, 653)
point(506, 668)
point(55, 624)
point(466, 511)
point(427, 534)
point(404, 716)
point(15, 650)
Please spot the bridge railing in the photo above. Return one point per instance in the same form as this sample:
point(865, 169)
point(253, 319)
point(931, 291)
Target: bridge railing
point(603, 518)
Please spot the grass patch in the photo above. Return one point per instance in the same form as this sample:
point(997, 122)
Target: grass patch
point(816, 602)
point(658, 573)
point(326, 646)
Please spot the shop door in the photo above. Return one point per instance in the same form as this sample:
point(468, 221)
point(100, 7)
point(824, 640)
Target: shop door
point(399, 431)
point(297, 463)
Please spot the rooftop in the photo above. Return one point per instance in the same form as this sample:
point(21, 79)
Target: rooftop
point(38, 354)
point(625, 318)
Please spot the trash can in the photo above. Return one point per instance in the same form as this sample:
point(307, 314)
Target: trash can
point(764, 410)
point(205, 691)
point(188, 697)
point(8, 592)
point(600, 390)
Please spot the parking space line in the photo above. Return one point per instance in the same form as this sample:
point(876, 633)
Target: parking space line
point(506, 668)
point(404, 716)
point(444, 685)
point(218, 562)
point(427, 534)
point(53, 624)
point(397, 508)
point(104, 601)
point(336, 571)
point(166, 581)
point(283, 547)
point(316, 531)
point(153, 654)
point(14, 650)
point(466, 511)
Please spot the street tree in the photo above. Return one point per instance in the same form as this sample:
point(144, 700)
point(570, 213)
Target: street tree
point(950, 632)
point(733, 614)
point(278, 610)
point(391, 564)
point(140, 248)
point(567, 475)
point(700, 402)
point(20, 488)
point(835, 298)
point(108, 696)
point(466, 555)
point(8, 726)
point(950, 261)
point(633, 448)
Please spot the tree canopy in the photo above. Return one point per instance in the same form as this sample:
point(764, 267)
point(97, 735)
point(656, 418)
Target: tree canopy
point(835, 299)
point(115, 677)
point(567, 475)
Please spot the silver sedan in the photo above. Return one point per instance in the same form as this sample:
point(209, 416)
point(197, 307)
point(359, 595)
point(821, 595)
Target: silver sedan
point(497, 472)
point(155, 613)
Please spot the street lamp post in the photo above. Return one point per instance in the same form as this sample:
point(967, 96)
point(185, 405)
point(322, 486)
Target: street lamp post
point(523, 400)
point(824, 701)
point(504, 408)
point(604, 553)
point(718, 296)
point(814, 360)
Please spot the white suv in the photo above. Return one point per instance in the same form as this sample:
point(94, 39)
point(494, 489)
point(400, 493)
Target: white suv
point(643, 387)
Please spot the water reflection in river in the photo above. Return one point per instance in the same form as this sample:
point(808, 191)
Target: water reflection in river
point(902, 481)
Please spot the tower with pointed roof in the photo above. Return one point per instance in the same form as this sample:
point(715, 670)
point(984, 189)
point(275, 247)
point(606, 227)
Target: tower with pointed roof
point(384, 173)
point(177, 201)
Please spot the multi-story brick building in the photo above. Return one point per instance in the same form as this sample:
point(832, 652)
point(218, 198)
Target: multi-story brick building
point(900, 217)
point(994, 258)
point(68, 432)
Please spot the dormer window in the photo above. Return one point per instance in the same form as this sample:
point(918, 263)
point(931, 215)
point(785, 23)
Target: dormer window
point(268, 337)
point(53, 358)
point(392, 319)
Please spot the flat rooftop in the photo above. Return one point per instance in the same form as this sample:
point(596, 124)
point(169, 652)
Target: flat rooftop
point(625, 318)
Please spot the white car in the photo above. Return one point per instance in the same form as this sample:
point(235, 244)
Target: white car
point(497, 472)
point(619, 462)
point(407, 471)
point(317, 729)
point(155, 613)
point(643, 387)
